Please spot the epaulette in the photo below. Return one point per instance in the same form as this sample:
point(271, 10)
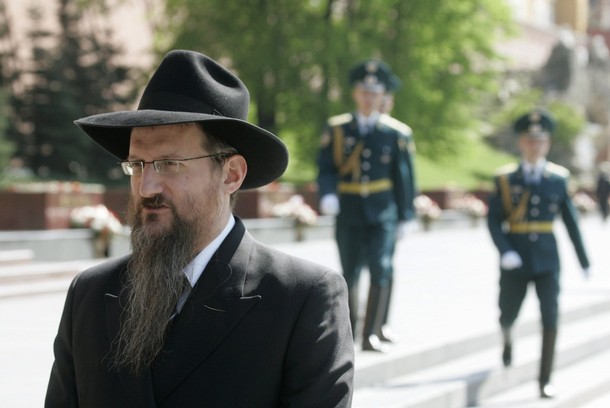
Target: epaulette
point(507, 169)
point(557, 169)
point(340, 119)
point(395, 124)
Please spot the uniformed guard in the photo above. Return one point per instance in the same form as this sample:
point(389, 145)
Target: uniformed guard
point(366, 179)
point(602, 190)
point(387, 105)
point(528, 198)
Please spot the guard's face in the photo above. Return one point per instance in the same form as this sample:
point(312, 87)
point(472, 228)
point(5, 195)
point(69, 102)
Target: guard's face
point(534, 148)
point(194, 193)
point(367, 101)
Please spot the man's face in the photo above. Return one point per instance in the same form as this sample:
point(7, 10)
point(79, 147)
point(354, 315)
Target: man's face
point(534, 148)
point(195, 194)
point(366, 101)
point(173, 217)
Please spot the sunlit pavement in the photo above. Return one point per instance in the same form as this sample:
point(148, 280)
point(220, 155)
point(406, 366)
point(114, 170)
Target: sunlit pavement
point(445, 289)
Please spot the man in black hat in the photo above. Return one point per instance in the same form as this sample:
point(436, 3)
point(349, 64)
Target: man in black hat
point(200, 314)
point(528, 198)
point(366, 179)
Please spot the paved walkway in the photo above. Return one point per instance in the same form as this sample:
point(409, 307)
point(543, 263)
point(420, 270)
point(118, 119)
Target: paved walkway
point(446, 282)
point(446, 288)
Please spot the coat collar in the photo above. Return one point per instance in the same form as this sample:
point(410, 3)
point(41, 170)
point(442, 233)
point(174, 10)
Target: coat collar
point(542, 169)
point(214, 307)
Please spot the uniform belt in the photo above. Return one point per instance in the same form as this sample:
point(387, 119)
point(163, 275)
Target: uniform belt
point(527, 227)
point(376, 186)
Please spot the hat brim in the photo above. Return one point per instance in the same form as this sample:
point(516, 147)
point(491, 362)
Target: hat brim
point(539, 134)
point(372, 88)
point(265, 154)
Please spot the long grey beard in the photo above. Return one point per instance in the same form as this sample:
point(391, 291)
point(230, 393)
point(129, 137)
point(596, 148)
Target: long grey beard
point(154, 284)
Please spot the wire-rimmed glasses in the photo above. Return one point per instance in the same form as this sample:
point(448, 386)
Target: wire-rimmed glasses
point(162, 166)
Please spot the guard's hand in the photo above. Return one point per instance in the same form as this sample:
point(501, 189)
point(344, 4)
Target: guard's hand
point(405, 228)
point(329, 204)
point(510, 260)
point(401, 230)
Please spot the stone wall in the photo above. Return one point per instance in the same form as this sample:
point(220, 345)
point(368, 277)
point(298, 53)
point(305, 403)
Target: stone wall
point(49, 207)
point(39, 208)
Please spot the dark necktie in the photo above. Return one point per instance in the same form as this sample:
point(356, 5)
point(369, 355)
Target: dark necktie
point(183, 297)
point(532, 179)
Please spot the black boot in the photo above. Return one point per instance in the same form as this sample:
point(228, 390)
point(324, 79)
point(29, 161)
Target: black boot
point(507, 352)
point(386, 333)
point(546, 363)
point(374, 317)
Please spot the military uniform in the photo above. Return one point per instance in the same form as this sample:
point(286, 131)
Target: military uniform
point(372, 173)
point(529, 211)
point(602, 190)
point(520, 219)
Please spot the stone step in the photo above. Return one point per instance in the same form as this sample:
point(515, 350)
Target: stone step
point(43, 270)
point(373, 368)
point(40, 277)
point(461, 382)
point(599, 402)
point(33, 288)
point(15, 256)
point(585, 384)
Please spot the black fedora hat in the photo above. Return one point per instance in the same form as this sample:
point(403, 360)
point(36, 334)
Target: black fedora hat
point(191, 87)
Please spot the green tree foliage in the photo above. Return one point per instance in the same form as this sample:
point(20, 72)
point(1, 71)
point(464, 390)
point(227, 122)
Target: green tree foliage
point(294, 57)
point(6, 147)
point(72, 72)
point(6, 57)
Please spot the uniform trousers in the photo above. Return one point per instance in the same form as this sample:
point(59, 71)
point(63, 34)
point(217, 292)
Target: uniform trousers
point(513, 288)
point(373, 244)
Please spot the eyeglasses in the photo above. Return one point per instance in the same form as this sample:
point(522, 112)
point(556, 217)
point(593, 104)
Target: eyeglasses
point(164, 166)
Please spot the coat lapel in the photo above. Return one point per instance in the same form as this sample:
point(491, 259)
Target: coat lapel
point(215, 307)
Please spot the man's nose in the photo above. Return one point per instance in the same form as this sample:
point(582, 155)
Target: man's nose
point(150, 182)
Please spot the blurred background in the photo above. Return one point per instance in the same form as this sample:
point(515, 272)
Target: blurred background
point(468, 68)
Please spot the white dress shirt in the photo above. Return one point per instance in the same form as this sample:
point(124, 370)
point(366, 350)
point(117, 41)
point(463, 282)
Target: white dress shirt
point(366, 123)
point(195, 268)
point(533, 172)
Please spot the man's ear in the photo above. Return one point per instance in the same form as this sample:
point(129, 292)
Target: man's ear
point(235, 172)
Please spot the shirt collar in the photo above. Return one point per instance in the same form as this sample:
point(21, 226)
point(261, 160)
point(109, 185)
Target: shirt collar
point(194, 269)
point(536, 167)
point(367, 121)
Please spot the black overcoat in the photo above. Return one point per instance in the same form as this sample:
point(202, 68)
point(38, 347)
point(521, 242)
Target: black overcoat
point(260, 329)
